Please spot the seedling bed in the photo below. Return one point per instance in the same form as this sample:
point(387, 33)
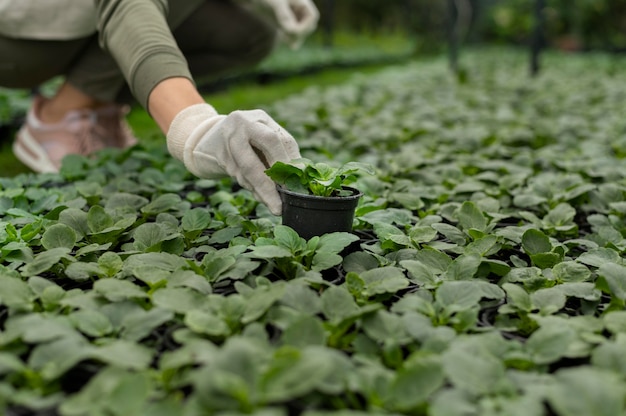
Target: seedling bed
point(484, 274)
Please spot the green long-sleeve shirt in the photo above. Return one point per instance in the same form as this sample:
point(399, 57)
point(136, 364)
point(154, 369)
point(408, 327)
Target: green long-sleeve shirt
point(136, 33)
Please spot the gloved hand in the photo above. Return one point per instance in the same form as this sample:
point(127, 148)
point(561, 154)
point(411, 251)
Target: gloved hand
point(296, 19)
point(240, 145)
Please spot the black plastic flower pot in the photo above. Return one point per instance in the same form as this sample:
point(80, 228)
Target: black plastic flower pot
point(312, 215)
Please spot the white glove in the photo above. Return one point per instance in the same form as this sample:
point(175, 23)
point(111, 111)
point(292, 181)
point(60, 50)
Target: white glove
point(296, 19)
point(240, 145)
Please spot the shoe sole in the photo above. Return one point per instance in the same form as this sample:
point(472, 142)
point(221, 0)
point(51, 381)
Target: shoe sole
point(30, 153)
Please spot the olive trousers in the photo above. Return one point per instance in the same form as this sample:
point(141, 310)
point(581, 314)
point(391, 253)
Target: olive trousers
point(215, 36)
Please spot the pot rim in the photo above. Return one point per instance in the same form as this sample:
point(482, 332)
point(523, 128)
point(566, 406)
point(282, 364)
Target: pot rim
point(356, 194)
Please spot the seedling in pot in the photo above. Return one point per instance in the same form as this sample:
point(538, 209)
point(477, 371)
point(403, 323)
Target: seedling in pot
point(303, 176)
point(316, 198)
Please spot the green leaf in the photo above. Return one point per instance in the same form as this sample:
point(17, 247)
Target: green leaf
point(88, 189)
point(463, 267)
point(116, 290)
point(196, 219)
point(415, 383)
point(10, 363)
point(110, 262)
point(436, 260)
point(229, 381)
point(124, 354)
point(581, 290)
point(549, 343)
point(45, 260)
point(286, 237)
point(152, 276)
point(15, 293)
point(52, 296)
point(419, 272)
point(140, 324)
point(359, 261)
point(335, 242)
point(301, 298)
point(92, 248)
point(165, 261)
point(587, 391)
point(324, 261)
point(31, 230)
point(535, 242)
point(548, 300)
point(17, 252)
point(37, 284)
point(422, 234)
point(261, 300)
point(610, 355)
point(148, 235)
point(451, 232)
point(338, 304)
point(225, 235)
point(206, 323)
point(162, 203)
point(598, 257)
point(98, 219)
point(483, 246)
point(112, 391)
point(456, 296)
point(545, 260)
point(304, 331)
point(383, 327)
point(383, 280)
point(293, 373)
point(91, 322)
point(125, 200)
point(269, 252)
point(187, 278)
point(561, 215)
point(615, 321)
point(471, 369)
point(179, 299)
point(77, 219)
point(81, 271)
point(571, 271)
point(471, 217)
point(130, 395)
point(453, 402)
point(280, 172)
point(518, 297)
point(40, 328)
point(615, 277)
point(55, 358)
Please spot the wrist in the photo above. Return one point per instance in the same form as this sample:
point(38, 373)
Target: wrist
point(183, 126)
point(169, 97)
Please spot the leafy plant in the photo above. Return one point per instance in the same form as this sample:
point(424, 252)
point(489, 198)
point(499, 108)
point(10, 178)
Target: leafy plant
point(307, 177)
point(485, 274)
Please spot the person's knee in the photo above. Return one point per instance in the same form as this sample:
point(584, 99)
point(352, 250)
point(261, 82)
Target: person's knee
point(262, 45)
point(226, 30)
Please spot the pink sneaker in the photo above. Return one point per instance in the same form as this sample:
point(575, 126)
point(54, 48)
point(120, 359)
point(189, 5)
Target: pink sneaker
point(42, 146)
point(112, 128)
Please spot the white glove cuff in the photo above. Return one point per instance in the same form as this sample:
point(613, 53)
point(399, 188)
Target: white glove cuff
point(184, 125)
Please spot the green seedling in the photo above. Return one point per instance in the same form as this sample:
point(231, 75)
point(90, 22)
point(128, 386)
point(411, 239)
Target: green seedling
point(306, 177)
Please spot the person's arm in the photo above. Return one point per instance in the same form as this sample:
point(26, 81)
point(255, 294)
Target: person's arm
point(169, 98)
point(137, 35)
point(240, 145)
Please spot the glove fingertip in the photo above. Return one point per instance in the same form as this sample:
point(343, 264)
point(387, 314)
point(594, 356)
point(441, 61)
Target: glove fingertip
point(273, 203)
